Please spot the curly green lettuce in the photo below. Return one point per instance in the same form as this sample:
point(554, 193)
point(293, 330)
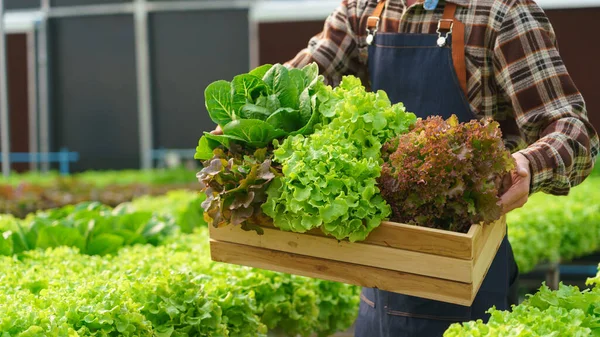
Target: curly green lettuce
point(567, 311)
point(330, 177)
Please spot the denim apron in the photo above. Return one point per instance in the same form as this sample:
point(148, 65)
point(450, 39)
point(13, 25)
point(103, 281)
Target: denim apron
point(420, 70)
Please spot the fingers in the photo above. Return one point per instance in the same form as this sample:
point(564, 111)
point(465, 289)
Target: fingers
point(522, 171)
point(516, 196)
point(512, 197)
point(217, 131)
point(517, 204)
point(522, 168)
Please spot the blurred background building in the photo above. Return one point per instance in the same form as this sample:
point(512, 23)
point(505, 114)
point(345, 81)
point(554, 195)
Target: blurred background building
point(118, 82)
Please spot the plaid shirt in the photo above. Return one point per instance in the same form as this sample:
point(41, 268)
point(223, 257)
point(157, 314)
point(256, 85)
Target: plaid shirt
point(514, 75)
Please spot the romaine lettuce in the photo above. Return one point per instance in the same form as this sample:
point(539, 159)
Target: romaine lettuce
point(268, 103)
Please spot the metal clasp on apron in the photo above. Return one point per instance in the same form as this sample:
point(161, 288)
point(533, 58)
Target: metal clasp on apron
point(373, 21)
point(441, 41)
point(371, 32)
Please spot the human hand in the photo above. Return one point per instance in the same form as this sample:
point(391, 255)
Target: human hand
point(514, 191)
point(217, 131)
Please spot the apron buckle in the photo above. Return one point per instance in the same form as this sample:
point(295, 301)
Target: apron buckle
point(372, 28)
point(445, 24)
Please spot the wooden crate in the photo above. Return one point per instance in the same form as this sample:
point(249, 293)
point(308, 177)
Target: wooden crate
point(424, 262)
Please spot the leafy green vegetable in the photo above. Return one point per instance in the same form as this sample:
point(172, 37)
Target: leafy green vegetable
point(183, 207)
point(22, 194)
point(219, 102)
point(90, 227)
point(553, 229)
point(286, 119)
point(254, 111)
point(278, 78)
point(329, 177)
point(565, 312)
point(261, 70)
point(170, 290)
point(56, 236)
point(246, 89)
point(6, 244)
point(253, 132)
point(235, 186)
point(106, 243)
point(143, 291)
point(594, 280)
point(102, 178)
point(526, 321)
point(270, 102)
point(445, 174)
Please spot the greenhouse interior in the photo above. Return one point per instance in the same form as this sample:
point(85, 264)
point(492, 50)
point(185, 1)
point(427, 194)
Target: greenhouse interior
point(245, 168)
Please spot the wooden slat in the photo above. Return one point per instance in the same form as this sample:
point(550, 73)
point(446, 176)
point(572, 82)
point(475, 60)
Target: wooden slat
point(481, 237)
point(422, 239)
point(490, 243)
point(357, 253)
point(473, 231)
point(419, 239)
point(410, 284)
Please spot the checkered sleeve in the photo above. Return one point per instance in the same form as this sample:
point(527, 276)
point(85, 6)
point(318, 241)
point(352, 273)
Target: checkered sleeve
point(335, 49)
point(549, 110)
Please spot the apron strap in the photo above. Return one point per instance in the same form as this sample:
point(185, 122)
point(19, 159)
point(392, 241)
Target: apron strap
point(450, 24)
point(373, 20)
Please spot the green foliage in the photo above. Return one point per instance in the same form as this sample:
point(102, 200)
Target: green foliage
point(235, 187)
point(445, 174)
point(21, 195)
point(554, 228)
point(329, 177)
point(297, 305)
point(157, 177)
point(594, 280)
point(565, 312)
point(104, 178)
point(596, 170)
point(267, 103)
point(169, 290)
point(143, 291)
point(526, 321)
point(182, 206)
point(92, 228)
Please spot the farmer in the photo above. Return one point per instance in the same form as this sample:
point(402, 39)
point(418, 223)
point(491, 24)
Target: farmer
point(474, 59)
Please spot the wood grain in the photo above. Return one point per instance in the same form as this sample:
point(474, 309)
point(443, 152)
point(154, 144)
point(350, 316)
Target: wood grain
point(395, 281)
point(420, 269)
point(419, 239)
point(490, 243)
point(481, 236)
point(422, 239)
point(364, 253)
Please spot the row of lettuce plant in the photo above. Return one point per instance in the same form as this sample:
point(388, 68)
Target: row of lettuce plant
point(554, 229)
point(93, 270)
point(567, 311)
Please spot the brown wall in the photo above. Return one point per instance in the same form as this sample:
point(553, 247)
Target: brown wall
point(280, 42)
point(16, 46)
point(575, 29)
point(578, 44)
